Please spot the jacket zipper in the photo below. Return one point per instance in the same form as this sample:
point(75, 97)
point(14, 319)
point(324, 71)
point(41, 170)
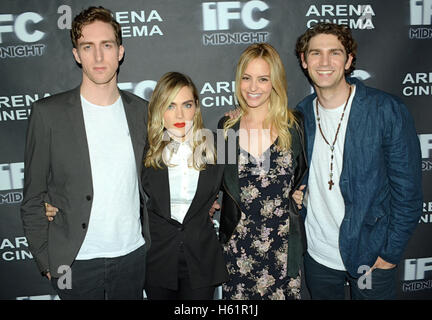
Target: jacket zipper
point(226, 189)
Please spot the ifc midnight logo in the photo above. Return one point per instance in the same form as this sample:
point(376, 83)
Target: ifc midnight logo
point(426, 149)
point(420, 15)
point(223, 15)
point(11, 180)
point(23, 29)
point(417, 274)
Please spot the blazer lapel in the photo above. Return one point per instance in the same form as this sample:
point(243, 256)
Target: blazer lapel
point(205, 180)
point(160, 190)
point(76, 117)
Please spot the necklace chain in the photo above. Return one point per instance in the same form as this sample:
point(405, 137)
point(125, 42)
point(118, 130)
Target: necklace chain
point(332, 146)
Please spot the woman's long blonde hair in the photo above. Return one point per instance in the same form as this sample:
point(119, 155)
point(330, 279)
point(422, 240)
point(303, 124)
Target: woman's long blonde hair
point(163, 95)
point(280, 118)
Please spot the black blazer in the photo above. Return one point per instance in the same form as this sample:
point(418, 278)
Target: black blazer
point(202, 250)
point(231, 212)
point(57, 171)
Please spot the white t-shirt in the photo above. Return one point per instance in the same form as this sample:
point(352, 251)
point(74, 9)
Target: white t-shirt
point(183, 181)
point(326, 208)
point(114, 228)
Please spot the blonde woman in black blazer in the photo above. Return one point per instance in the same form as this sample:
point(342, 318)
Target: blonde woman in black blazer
point(182, 180)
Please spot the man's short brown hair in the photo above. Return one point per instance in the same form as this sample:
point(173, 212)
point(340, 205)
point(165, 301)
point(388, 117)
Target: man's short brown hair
point(90, 15)
point(342, 32)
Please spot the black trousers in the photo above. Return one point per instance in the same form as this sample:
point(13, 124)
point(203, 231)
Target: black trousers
point(184, 290)
point(118, 278)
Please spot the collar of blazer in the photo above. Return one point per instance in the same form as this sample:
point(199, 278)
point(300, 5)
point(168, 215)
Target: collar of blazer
point(156, 182)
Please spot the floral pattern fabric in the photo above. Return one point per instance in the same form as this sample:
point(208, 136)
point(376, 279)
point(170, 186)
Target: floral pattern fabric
point(256, 254)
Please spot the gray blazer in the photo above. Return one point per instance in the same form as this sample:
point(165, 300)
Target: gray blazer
point(57, 171)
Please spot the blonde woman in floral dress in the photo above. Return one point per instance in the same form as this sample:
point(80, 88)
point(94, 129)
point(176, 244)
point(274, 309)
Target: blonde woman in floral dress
point(260, 227)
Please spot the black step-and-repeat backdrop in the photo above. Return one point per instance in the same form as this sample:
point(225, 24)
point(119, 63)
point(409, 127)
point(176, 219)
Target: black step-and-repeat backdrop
point(204, 40)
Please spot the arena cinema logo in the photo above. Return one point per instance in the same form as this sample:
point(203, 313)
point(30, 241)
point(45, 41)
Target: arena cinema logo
point(426, 148)
point(133, 24)
point(11, 183)
point(14, 249)
point(224, 15)
point(355, 16)
point(218, 94)
point(139, 23)
point(18, 107)
point(426, 217)
point(417, 274)
point(18, 34)
point(420, 15)
point(417, 84)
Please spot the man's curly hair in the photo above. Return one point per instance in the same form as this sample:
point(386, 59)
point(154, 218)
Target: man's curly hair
point(342, 32)
point(90, 15)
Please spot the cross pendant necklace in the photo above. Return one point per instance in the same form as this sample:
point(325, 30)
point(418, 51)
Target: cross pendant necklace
point(332, 146)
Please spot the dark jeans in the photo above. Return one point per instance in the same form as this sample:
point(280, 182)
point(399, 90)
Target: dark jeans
point(184, 290)
point(116, 278)
point(328, 284)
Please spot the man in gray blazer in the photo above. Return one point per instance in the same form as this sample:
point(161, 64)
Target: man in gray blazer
point(83, 155)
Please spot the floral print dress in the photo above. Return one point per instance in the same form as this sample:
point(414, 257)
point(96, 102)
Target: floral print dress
point(256, 254)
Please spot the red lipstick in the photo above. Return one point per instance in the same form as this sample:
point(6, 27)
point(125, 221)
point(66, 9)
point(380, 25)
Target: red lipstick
point(179, 124)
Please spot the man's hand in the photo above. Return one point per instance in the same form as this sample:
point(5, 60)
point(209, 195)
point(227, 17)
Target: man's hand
point(380, 263)
point(298, 196)
point(233, 113)
point(215, 207)
point(50, 212)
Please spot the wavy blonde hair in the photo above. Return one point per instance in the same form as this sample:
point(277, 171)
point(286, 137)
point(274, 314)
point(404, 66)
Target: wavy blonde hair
point(202, 140)
point(280, 118)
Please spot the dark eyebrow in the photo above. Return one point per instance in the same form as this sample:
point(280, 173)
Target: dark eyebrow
point(85, 43)
point(331, 50)
point(90, 42)
point(187, 102)
point(183, 103)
